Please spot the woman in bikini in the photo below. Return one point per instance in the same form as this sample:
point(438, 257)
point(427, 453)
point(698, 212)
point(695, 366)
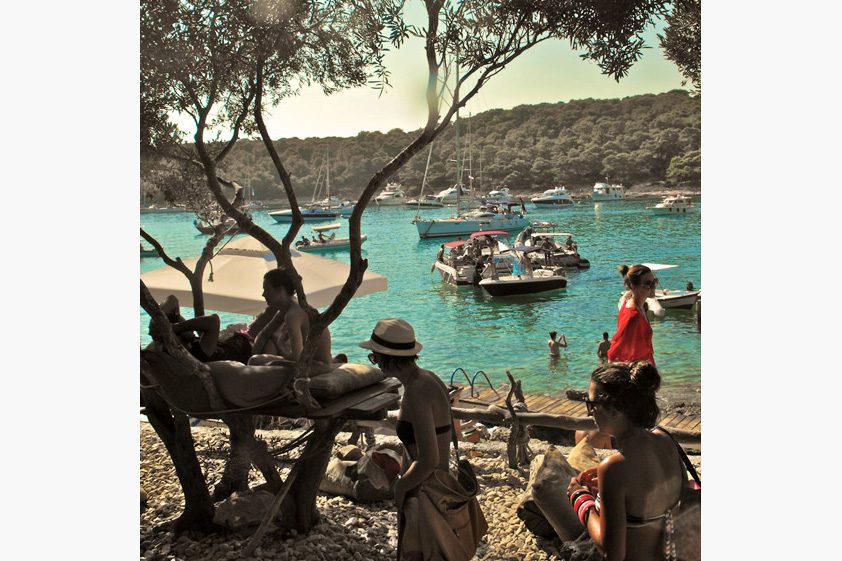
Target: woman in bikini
point(424, 424)
point(627, 503)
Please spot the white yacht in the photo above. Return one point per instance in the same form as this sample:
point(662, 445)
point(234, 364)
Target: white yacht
point(450, 195)
point(391, 195)
point(673, 204)
point(554, 196)
point(608, 192)
point(502, 193)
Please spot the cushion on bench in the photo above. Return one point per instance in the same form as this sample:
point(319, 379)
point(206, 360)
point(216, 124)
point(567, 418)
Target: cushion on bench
point(344, 379)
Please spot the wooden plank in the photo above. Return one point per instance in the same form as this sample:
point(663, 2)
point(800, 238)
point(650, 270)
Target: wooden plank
point(697, 425)
point(337, 406)
point(667, 421)
point(689, 421)
point(538, 402)
point(564, 407)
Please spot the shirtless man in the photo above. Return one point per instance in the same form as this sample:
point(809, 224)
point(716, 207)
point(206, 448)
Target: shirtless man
point(556, 345)
point(283, 336)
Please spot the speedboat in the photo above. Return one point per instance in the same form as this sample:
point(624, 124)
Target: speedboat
point(493, 216)
point(673, 204)
point(391, 195)
point(313, 213)
point(555, 196)
point(429, 201)
point(502, 193)
point(521, 278)
point(668, 298)
point(608, 192)
point(463, 262)
point(550, 251)
point(322, 243)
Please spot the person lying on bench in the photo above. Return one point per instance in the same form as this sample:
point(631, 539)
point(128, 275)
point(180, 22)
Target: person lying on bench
point(207, 346)
point(283, 336)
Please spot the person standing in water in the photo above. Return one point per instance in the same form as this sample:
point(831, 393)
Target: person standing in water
point(602, 348)
point(555, 345)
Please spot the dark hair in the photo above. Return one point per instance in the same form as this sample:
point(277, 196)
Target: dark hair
point(280, 278)
point(605, 335)
point(553, 334)
point(390, 361)
point(631, 275)
point(629, 387)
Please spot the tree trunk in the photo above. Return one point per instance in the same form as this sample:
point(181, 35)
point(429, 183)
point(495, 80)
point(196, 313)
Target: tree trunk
point(244, 450)
point(299, 507)
point(173, 429)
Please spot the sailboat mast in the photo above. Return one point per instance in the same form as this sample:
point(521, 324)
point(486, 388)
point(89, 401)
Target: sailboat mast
point(327, 175)
point(458, 161)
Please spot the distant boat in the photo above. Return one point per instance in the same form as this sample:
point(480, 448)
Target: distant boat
point(429, 201)
point(451, 195)
point(391, 195)
point(603, 192)
point(502, 193)
point(555, 196)
point(668, 298)
point(494, 216)
point(145, 252)
point(326, 209)
point(322, 243)
point(310, 214)
point(673, 204)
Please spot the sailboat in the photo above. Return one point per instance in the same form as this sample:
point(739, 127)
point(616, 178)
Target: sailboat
point(494, 216)
point(429, 201)
point(316, 211)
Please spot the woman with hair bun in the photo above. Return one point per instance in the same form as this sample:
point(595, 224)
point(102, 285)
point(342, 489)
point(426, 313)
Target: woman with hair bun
point(633, 339)
point(626, 504)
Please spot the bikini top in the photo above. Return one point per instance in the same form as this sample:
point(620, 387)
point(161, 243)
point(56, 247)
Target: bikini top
point(407, 434)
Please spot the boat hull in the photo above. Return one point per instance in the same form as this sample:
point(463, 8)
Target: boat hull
point(285, 216)
point(452, 276)
point(513, 285)
point(451, 228)
point(552, 202)
point(606, 198)
point(672, 211)
point(678, 299)
point(334, 245)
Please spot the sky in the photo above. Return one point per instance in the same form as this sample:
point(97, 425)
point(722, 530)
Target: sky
point(549, 72)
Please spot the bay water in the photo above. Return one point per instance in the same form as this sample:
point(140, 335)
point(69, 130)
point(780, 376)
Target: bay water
point(464, 327)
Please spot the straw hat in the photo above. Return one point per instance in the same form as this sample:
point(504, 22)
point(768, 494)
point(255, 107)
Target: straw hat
point(393, 337)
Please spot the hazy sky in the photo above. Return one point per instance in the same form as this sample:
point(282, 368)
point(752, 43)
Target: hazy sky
point(549, 72)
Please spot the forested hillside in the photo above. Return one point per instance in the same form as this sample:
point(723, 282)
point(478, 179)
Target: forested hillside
point(640, 139)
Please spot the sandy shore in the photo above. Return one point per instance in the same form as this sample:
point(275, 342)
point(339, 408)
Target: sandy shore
point(347, 530)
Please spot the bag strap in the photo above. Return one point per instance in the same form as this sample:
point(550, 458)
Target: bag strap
point(683, 454)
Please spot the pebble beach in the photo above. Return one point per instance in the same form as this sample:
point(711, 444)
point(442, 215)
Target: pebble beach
point(347, 530)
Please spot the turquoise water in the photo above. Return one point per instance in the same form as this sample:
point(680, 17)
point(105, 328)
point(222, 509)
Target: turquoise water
point(464, 327)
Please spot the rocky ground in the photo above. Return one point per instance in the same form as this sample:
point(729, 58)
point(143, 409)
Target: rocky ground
point(347, 530)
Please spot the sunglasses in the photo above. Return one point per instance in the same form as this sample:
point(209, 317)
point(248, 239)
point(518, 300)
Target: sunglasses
point(372, 358)
point(650, 284)
point(590, 404)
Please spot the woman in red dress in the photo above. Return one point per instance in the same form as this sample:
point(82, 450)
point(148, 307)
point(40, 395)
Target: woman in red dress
point(633, 339)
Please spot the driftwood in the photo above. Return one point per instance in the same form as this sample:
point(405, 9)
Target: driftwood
point(517, 447)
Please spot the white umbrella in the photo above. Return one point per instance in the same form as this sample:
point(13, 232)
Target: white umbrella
point(238, 271)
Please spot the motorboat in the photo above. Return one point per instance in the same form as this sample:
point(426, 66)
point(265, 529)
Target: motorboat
point(550, 250)
point(522, 279)
point(501, 193)
point(498, 215)
point(673, 204)
point(391, 195)
point(555, 196)
point(323, 243)
point(428, 201)
point(603, 192)
point(669, 298)
point(463, 262)
point(344, 207)
point(315, 213)
point(451, 195)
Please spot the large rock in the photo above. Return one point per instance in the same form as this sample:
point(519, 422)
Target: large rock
point(243, 509)
point(546, 494)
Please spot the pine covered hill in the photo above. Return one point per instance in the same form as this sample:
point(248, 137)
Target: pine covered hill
point(646, 139)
